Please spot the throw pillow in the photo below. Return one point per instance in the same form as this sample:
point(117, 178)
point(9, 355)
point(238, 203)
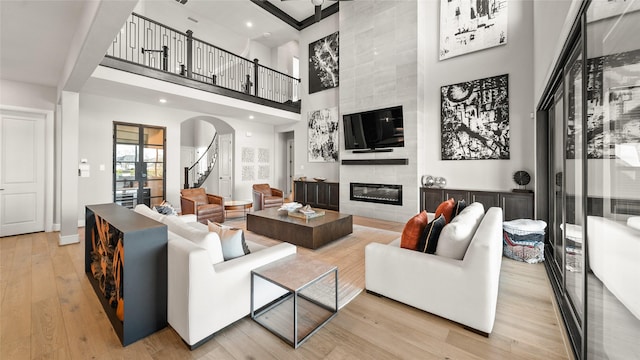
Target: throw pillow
point(165, 209)
point(412, 231)
point(231, 239)
point(143, 209)
point(460, 205)
point(446, 208)
point(457, 235)
point(429, 238)
point(204, 239)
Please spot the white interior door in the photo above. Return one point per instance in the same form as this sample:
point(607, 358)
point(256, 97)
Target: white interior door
point(225, 166)
point(21, 172)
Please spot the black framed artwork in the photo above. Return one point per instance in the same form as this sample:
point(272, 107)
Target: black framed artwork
point(324, 63)
point(475, 119)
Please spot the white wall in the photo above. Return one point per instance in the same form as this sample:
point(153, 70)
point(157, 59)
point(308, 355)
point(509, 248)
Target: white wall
point(516, 59)
point(254, 135)
point(27, 95)
point(97, 114)
point(310, 102)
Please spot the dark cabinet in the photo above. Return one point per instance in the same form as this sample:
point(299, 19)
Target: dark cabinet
point(515, 205)
point(430, 199)
point(487, 198)
point(324, 195)
point(126, 263)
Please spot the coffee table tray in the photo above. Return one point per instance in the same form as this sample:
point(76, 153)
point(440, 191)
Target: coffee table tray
point(307, 216)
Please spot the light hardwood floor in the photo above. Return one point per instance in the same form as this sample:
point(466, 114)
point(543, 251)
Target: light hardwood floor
point(48, 310)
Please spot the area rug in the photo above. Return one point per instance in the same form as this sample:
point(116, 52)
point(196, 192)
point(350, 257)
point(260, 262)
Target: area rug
point(347, 253)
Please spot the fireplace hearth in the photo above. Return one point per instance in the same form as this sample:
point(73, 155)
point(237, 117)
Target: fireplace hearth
point(376, 193)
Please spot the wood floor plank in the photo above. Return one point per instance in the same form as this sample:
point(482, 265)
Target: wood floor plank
point(47, 327)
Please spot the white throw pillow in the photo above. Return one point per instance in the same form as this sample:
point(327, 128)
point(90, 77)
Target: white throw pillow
point(231, 239)
point(143, 209)
point(207, 240)
point(457, 235)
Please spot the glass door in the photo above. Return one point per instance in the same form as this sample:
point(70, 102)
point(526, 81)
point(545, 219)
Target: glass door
point(573, 183)
point(613, 170)
point(138, 160)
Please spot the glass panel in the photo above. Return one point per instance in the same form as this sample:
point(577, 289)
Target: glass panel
point(154, 171)
point(127, 134)
point(573, 182)
point(153, 153)
point(154, 136)
point(156, 187)
point(613, 168)
point(558, 154)
point(125, 171)
point(137, 182)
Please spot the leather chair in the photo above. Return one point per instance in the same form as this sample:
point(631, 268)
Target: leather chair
point(265, 196)
point(204, 206)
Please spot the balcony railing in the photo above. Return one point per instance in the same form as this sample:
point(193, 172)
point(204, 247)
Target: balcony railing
point(148, 43)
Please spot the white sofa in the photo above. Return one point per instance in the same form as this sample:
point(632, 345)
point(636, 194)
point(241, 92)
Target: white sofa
point(465, 291)
point(206, 294)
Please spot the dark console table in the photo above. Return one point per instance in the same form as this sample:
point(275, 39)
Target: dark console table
point(126, 263)
point(317, 194)
point(515, 205)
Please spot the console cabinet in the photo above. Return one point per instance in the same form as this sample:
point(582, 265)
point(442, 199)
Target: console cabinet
point(126, 263)
point(317, 194)
point(515, 205)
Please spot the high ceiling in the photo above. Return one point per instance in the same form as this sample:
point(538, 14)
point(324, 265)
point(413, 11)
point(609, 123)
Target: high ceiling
point(36, 35)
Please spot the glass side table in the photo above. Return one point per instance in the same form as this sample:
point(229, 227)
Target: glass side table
point(310, 297)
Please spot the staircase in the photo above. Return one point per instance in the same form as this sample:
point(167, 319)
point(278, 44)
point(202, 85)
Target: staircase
point(196, 174)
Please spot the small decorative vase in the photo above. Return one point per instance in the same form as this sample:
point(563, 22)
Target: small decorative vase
point(428, 181)
point(440, 182)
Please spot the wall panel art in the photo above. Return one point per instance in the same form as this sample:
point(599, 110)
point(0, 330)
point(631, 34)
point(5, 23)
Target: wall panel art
point(323, 135)
point(323, 63)
point(471, 25)
point(475, 119)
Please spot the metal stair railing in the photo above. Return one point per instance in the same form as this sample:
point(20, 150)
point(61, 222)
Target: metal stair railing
point(196, 174)
point(148, 43)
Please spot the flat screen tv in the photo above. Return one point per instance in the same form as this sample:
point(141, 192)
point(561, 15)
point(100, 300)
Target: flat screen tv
point(375, 129)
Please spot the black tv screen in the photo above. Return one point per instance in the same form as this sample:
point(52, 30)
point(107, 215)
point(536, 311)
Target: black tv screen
point(374, 129)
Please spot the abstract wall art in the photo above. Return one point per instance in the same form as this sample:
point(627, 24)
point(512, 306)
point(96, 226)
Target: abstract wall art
point(323, 135)
point(471, 25)
point(323, 63)
point(475, 119)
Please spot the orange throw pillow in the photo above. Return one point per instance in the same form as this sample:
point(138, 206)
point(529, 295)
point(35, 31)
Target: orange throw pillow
point(412, 231)
point(446, 208)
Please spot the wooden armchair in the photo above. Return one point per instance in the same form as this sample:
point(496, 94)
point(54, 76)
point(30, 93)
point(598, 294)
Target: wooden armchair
point(265, 196)
point(204, 206)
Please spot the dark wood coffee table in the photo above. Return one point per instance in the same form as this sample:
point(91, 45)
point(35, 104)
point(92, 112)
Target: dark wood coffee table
point(311, 233)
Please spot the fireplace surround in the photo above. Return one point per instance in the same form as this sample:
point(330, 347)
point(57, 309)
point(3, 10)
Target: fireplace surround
point(376, 193)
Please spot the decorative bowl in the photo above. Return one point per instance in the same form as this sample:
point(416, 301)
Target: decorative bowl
point(319, 179)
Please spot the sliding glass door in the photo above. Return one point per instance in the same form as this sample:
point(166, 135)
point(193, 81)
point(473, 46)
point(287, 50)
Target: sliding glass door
point(613, 128)
point(139, 163)
point(591, 117)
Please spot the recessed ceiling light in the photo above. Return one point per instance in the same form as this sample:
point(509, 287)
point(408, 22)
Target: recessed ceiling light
point(249, 24)
point(251, 117)
point(162, 101)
